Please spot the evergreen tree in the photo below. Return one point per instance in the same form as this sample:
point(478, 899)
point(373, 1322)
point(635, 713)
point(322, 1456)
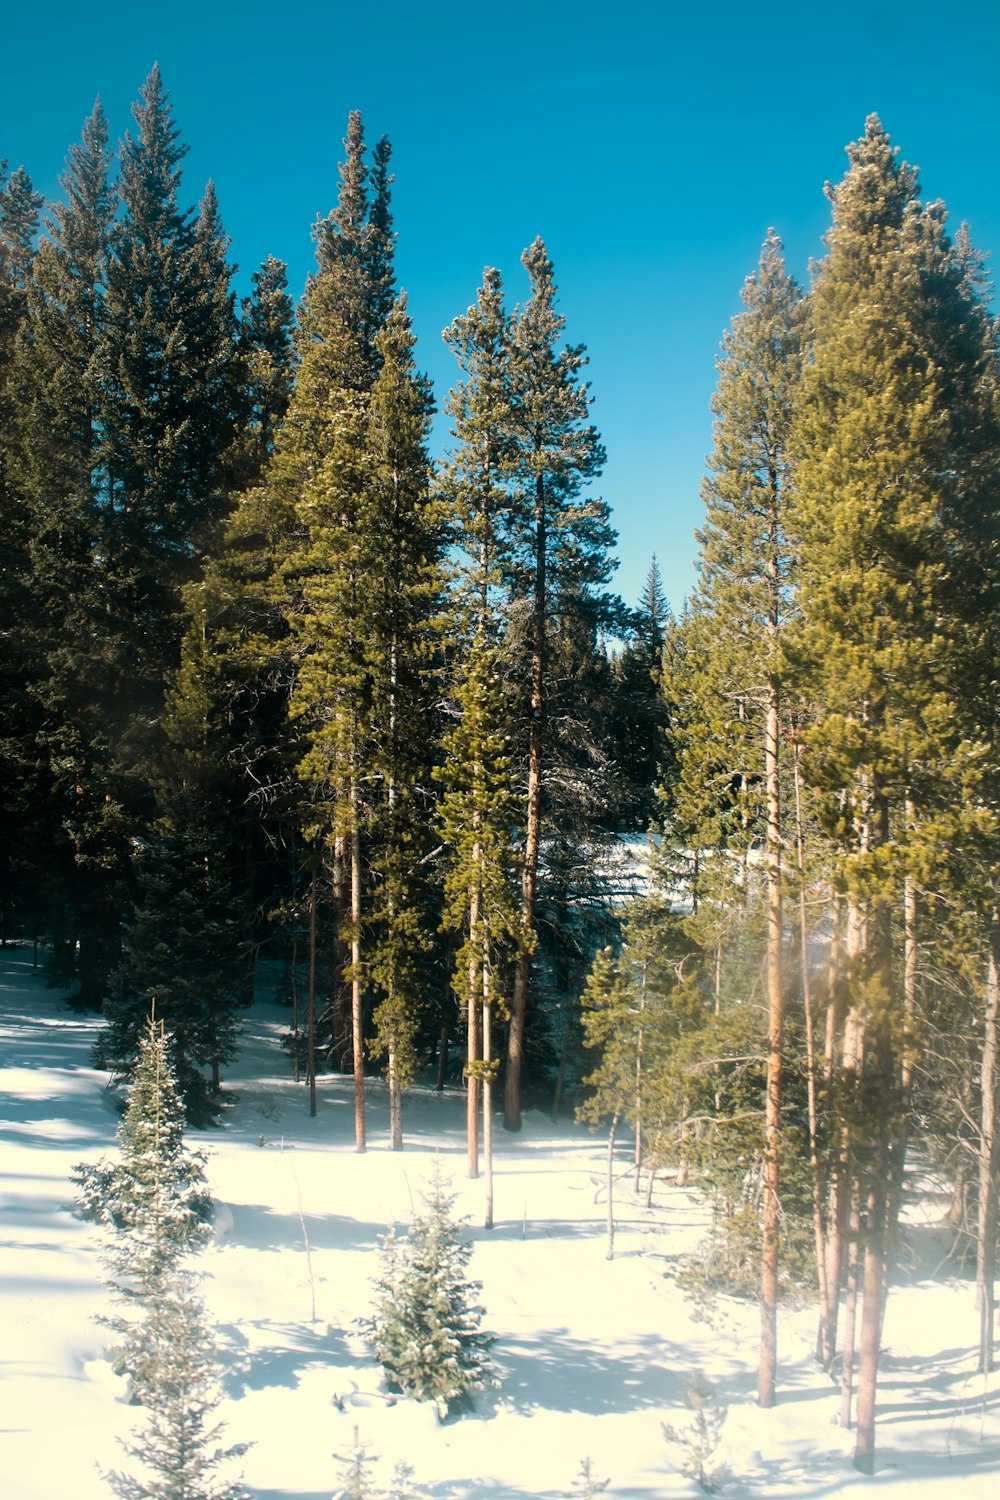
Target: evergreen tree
point(321, 471)
point(561, 557)
point(55, 441)
point(184, 950)
point(169, 393)
point(425, 1329)
point(153, 1198)
point(639, 715)
point(403, 540)
point(269, 357)
point(19, 776)
point(895, 454)
point(745, 597)
point(179, 1450)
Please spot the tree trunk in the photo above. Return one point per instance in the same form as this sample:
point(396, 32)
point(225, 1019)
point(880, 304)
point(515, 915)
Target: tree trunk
point(442, 1067)
point(611, 1184)
point(395, 1104)
point(986, 1236)
point(487, 1093)
point(472, 1041)
point(775, 1041)
point(357, 1012)
point(533, 827)
point(850, 1310)
point(563, 1059)
point(311, 1016)
point(876, 1258)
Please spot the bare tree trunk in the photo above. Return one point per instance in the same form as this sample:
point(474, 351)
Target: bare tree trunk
point(472, 1042)
point(357, 998)
point(823, 1351)
point(442, 1067)
point(850, 1310)
point(311, 1017)
point(563, 1059)
point(342, 1024)
point(487, 1092)
point(533, 827)
point(638, 1077)
point(767, 1375)
point(986, 1236)
point(876, 1257)
point(395, 1103)
point(611, 1184)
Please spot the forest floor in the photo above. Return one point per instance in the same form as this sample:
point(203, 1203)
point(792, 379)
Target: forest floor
point(593, 1355)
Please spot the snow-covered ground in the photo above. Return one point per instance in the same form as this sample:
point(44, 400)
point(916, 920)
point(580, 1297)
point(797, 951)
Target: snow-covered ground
point(594, 1355)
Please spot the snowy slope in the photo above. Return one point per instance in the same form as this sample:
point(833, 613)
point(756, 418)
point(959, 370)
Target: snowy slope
point(593, 1354)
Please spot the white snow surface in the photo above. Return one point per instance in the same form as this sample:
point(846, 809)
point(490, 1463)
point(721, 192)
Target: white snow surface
point(593, 1354)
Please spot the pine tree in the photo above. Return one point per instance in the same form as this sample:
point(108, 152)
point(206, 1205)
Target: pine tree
point(170, 373)
point(639, 715)
point(154, 1196)
point(701, 1437)
point(745, 592)
point(55, 441)
point(19, 667)
point(179, 1450)
point(324, 461)
point(185, 948)
point(561, 557)
point(893, 448)
point(425, 1330)
point(269, 357)
point(403, 541)
point(476, 815)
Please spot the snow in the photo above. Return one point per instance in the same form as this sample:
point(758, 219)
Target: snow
point(593, 1355)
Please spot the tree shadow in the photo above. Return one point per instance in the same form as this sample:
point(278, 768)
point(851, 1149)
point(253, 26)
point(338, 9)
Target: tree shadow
point(557, 1372)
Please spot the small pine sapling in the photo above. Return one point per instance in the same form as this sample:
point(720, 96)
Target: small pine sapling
point(586, 1484)
point(356, 1482)
point(700, 1439)
point(156, 1190)
point(425, 1329)
point(179, 1449)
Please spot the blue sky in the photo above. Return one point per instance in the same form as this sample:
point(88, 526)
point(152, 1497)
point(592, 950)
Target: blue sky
point(651, 147)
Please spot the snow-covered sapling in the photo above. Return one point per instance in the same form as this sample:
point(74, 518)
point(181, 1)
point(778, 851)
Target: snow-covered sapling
point(356, 1482)
point(425, 1329)
point(700, 1439)
point(586, 1484)
point(179, 1447)
point(156, 1191)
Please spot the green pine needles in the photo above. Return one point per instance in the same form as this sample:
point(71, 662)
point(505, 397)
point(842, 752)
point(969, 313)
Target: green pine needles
point(425, 1329)
point(155, 1194)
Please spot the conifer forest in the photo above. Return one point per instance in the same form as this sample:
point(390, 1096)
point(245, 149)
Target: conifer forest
point(292, 702)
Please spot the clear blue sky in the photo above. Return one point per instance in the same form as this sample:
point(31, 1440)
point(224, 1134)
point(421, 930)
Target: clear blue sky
point(651, 145)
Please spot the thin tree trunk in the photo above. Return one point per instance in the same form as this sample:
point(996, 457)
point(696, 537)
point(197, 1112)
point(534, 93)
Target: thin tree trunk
point(311, 1016)
point(767, 1375)
point(986, 1236)
point(357, 1012)
point(638, 1077)
point(442, 1067)
point(611, 1184)
point(563, 1059)
point(487, 1091)
point(850, 1310)
point(533, 827)
point(824, 1354)
point(876, 1258)
point(472, 1040)
point(395, 1104)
